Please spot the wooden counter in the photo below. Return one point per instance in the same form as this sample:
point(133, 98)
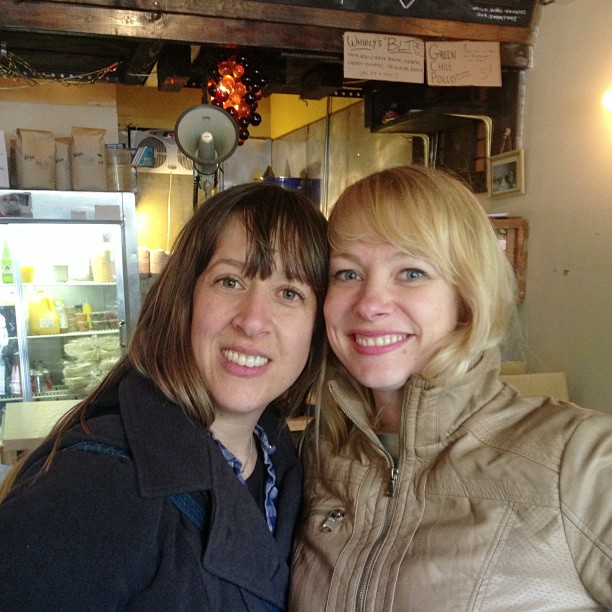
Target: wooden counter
point(25, 424)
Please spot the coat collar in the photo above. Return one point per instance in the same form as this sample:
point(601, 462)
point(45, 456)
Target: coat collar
point(430, 413)
point(155, 427)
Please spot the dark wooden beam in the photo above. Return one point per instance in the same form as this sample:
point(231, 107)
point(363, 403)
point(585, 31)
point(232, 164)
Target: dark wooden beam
point(141, 63)
point(236, 22)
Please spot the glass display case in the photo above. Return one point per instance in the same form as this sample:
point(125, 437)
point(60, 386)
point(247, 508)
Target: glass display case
point(70, 292)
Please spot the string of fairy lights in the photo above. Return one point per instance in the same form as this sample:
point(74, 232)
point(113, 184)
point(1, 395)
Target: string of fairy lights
point(15, 68)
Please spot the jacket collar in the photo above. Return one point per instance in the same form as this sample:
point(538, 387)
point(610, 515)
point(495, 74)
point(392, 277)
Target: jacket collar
point(430, 413)
point(154, 427)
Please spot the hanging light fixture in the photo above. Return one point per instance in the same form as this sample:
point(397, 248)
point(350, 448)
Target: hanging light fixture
point(236, 86)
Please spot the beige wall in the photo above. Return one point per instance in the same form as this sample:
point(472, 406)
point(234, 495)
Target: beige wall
point(567, 315)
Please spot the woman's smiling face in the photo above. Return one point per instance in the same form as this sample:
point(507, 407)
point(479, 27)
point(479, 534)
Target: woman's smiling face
point(250, 336)
point(386, 313)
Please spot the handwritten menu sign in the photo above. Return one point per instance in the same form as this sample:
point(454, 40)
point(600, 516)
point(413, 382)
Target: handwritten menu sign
point(459, 64)
point(383, 57)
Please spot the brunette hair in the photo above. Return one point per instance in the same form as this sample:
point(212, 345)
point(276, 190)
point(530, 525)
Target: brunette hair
point(429, 214)
point(277, 221)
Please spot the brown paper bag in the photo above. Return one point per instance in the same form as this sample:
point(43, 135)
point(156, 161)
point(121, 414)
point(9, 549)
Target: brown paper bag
point(88, 159)
point(35, 159)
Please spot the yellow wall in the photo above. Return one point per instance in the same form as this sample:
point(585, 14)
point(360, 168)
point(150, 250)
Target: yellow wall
point(289, 112)
point(146, 107)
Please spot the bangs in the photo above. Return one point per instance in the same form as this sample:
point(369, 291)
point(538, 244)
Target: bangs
point(283, 230)
point(388, 216)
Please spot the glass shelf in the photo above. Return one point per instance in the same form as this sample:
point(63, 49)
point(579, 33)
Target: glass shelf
point(91, 332)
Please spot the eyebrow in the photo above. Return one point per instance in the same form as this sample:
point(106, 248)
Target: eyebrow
point(236, 263)
point(397, 256)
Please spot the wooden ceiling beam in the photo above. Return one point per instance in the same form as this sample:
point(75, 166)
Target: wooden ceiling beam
point(237, 22)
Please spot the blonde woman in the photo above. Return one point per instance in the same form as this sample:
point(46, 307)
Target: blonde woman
point(430, 484)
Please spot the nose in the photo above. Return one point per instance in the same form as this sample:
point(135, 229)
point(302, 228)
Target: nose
point(253, 315)
point(373, 301)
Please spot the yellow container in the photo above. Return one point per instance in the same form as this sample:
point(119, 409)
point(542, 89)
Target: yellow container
point(27, 274)
point(43, 316)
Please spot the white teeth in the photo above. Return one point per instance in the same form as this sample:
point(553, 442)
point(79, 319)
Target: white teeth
point(379, 340)
point(250, 361)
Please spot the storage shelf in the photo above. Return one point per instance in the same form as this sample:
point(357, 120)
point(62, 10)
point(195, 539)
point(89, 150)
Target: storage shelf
point(9, 289)
point(58, 392)
point(97, 332)
point(428, 121)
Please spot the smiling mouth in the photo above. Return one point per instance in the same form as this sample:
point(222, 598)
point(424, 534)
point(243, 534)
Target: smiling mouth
point(249, 361)
point(379, 340)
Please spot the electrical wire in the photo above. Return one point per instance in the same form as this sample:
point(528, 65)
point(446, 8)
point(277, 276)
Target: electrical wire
point(16, 68)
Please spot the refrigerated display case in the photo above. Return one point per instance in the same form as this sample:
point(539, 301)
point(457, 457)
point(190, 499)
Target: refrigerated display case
point(70, 291)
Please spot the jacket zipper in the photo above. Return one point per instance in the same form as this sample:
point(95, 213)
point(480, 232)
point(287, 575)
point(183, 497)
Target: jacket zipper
point(332, 518)
point(368, 567)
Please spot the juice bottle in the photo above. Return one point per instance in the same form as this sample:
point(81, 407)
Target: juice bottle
point(43, 316)
point(87, 313)
point(7, 264)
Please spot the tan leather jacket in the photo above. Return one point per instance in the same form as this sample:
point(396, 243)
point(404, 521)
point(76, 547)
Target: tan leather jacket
point(498, 502)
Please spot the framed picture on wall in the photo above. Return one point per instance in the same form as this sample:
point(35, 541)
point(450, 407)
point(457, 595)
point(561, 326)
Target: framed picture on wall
point(506, 173)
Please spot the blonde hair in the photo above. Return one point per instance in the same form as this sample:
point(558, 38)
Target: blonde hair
point(431, 215)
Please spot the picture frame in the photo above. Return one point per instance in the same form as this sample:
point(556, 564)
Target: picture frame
point(506, 174)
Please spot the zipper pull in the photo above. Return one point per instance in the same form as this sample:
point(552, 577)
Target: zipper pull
point(392, 482)
point(331, 519)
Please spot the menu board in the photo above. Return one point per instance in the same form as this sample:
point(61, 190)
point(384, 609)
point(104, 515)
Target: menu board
point(402, 59)
point(383, 57)
point(458, 64)
point(491, 12)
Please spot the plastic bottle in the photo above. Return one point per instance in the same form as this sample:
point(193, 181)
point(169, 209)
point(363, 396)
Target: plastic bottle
point(87, 313)
point(15, 385)
point(7, 264)
point(43, 316)
point(60, 308)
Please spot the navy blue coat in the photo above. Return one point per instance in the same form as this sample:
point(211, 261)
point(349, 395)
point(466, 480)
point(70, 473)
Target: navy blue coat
point(98, 532)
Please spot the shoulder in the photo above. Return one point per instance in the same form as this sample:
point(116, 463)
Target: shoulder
point(86, 516)
point(538, 428)
point(585, 490)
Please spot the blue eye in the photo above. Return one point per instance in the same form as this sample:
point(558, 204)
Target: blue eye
point(413, 273)
point(346, 275)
